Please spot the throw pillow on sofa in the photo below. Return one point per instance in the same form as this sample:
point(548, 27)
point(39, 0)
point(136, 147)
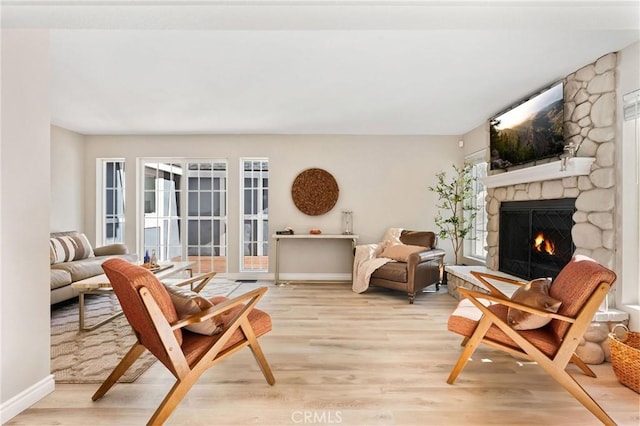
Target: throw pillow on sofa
point(400, 252)
point(68, 248)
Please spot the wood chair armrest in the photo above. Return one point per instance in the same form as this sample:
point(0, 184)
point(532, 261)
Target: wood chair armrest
point(220, 308)
point(203, 280)
point(473, 296)
point(483, 276)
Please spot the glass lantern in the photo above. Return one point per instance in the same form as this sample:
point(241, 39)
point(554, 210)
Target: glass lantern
point(347, 222)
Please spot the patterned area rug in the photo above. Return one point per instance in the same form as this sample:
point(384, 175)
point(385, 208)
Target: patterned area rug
point(90, 356)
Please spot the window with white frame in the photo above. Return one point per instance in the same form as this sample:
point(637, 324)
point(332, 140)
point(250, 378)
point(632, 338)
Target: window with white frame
point(475, 244)
point(254, 210)
point(207, 214)
point(629, 274)
point(111, 217)
point(186, 198)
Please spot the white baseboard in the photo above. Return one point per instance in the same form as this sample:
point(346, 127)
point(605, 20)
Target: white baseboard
point(315, 277)
point(25, 399)
point(265, 276)
point(261, 276)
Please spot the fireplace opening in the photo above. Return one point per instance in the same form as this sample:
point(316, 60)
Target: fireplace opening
point(535, 237)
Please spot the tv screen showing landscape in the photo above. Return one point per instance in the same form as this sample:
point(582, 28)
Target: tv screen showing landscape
point(528, 132)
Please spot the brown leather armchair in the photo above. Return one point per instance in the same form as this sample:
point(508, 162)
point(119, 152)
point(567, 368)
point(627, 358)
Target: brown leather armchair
point(421, 270)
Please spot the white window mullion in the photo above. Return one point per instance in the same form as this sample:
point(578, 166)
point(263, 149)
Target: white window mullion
point(110, 201)
point(197, 229)
point(253, 177)
point(475, 246)
point(184, 217)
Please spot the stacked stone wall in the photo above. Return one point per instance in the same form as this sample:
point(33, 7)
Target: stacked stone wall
point(589, 114)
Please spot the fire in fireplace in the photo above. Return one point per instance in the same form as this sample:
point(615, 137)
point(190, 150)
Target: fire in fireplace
point(535, 237)
point(544, 245)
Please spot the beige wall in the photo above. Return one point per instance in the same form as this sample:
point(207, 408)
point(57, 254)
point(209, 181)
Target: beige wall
point(67, 180)
point(24, 222)
point(383, 180)
point(477, 140)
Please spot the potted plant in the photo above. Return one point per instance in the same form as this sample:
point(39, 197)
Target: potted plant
point(456, 213)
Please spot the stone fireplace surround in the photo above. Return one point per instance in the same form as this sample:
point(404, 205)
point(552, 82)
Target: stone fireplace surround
point(589, 114)
point(589, 122)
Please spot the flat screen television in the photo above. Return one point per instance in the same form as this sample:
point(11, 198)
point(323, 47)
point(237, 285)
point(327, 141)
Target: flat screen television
point(531, 130)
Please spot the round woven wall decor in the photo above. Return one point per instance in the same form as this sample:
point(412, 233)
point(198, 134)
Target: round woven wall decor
point(314, 192)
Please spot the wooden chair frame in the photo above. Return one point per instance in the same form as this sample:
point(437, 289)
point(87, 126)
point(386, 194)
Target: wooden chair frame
point(554, 366)
point(196, 283)
point(188, 375)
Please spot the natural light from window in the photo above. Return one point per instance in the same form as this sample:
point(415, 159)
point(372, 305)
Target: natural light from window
point(111, 227)
point(186, 198)
point(475, 245)
point(255, 215)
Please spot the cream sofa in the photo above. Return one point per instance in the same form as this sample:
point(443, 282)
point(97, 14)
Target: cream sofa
point(73, 259)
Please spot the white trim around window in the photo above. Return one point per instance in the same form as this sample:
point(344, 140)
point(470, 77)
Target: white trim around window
point(475, 246)
point(110, 201)
point(254, 214)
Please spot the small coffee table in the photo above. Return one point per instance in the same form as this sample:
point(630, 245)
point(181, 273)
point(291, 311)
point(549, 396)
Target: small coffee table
point(100, 285)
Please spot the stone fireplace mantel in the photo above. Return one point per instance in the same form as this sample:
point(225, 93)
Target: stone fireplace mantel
point(576, 166)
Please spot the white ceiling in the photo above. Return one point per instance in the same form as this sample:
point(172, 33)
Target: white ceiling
point(311, 66)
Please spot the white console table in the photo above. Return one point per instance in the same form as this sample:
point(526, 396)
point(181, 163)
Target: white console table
point(316, 237)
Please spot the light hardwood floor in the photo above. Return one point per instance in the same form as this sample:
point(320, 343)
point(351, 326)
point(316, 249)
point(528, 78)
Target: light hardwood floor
point(350, 359)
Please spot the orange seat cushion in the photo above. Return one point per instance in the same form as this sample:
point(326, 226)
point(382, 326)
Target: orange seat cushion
point(465, 319)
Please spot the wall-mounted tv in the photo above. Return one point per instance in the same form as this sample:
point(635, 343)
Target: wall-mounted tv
point(530, 131)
